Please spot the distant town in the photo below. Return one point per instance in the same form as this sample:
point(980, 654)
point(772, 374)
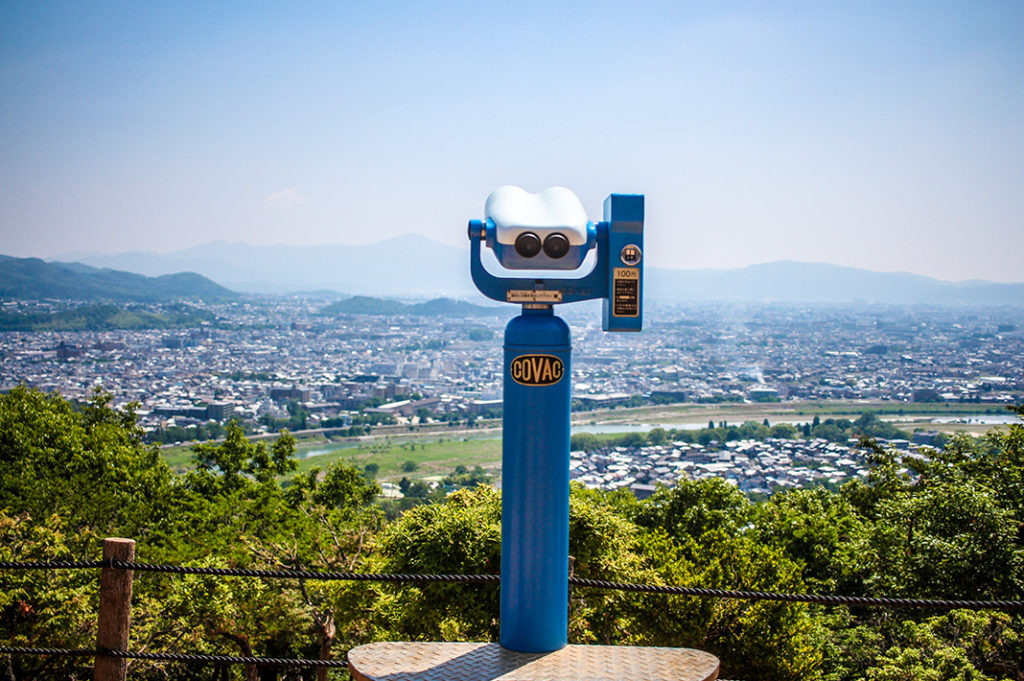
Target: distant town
point(281, 361)
point(757, 467)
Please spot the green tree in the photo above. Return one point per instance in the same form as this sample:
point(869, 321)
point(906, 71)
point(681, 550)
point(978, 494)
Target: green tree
point(947, 525)
point(961, 645)
point(783, 430)
point(584, 442)
point(465, 478)
point(819, 529)
point(828, 431)
point(755, 640)
point(323, 520)
point(339, 487)
point(657, 436)
point(88, 465)
point(632, 440)
point(707, 436)
point(462, 535)
point(55, 608)
point(691, 508)
point(298, 415)
point(236, 456)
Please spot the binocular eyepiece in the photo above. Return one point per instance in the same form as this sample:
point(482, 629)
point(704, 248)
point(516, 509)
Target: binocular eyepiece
point(555, 245)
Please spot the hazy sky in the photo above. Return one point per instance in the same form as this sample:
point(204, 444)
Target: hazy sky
point(884, 135)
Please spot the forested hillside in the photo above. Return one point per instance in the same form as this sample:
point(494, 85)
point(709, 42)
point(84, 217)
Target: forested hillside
point(34, 279)
point(438, 307)
point(106, 317)
point(950, 527)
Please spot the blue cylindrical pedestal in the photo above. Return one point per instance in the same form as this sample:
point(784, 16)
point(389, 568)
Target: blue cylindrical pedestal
point(535, 484)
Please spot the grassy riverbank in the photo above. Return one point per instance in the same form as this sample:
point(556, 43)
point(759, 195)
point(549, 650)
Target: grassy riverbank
point(436, 450)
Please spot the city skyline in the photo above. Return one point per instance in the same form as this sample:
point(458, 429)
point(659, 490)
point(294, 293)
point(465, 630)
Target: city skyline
point(881, 137)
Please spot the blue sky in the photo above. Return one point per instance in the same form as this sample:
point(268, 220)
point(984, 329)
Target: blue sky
point(888, 136)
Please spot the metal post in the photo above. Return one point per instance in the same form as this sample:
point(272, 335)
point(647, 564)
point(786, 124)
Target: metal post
point(115, 610)
point(535, 483)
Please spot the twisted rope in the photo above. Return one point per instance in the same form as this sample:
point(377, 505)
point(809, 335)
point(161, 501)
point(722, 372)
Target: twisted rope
point(51, 565)
point(19, 650)
point(228, 659)
point(865, 601)
point(305, 574)
point(176, 657)
point(884, 602)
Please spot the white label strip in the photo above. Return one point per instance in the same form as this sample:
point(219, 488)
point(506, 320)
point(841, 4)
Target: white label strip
point(533, 296)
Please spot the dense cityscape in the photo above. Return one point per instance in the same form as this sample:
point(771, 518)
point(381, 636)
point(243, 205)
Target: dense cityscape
point(260, 355)
point(265, 361)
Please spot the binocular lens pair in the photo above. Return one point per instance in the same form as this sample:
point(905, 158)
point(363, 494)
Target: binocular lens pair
point(529, 244)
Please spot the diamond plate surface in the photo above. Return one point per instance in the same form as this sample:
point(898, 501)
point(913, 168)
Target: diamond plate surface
point(420, 661)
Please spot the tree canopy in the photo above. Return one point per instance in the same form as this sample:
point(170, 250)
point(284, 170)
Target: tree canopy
point(949, 525)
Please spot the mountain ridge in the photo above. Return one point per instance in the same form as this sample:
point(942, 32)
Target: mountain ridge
point(414, 265)
point(397, 267)
point(794, 281)
point(34, 278)
point(437, 307)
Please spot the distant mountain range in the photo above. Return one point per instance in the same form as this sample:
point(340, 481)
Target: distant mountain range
point(788, 281)
point(439, 307)
point(32, 278)
point(409, 265)
point(413, 266)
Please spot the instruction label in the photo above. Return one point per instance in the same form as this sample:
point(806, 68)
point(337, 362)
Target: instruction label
point(626, 292)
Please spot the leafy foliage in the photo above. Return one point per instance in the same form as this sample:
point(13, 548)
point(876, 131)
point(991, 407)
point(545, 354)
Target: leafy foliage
point(947, 525)
point(86, 465)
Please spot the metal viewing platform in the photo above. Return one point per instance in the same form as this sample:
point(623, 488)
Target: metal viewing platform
point(425, 661)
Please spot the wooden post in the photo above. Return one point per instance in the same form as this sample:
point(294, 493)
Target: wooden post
point(115, 610)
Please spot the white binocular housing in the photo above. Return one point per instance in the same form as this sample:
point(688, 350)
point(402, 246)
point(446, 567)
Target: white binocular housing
point(544, 231)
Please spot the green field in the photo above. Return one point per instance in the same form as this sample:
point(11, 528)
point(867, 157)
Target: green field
point(179, 457)
point(439, 451)
point(435, 457)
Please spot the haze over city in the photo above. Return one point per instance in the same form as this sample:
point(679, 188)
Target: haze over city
point(877, 135)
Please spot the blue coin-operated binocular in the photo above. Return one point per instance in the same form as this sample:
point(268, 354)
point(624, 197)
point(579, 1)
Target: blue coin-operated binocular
point(564, 258)
point(549, 234)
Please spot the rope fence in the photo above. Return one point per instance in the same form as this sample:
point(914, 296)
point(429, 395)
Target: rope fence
point(52, 565)
point(304, 574)
point(824, 599)
point(118, 566)
point(175, 657)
